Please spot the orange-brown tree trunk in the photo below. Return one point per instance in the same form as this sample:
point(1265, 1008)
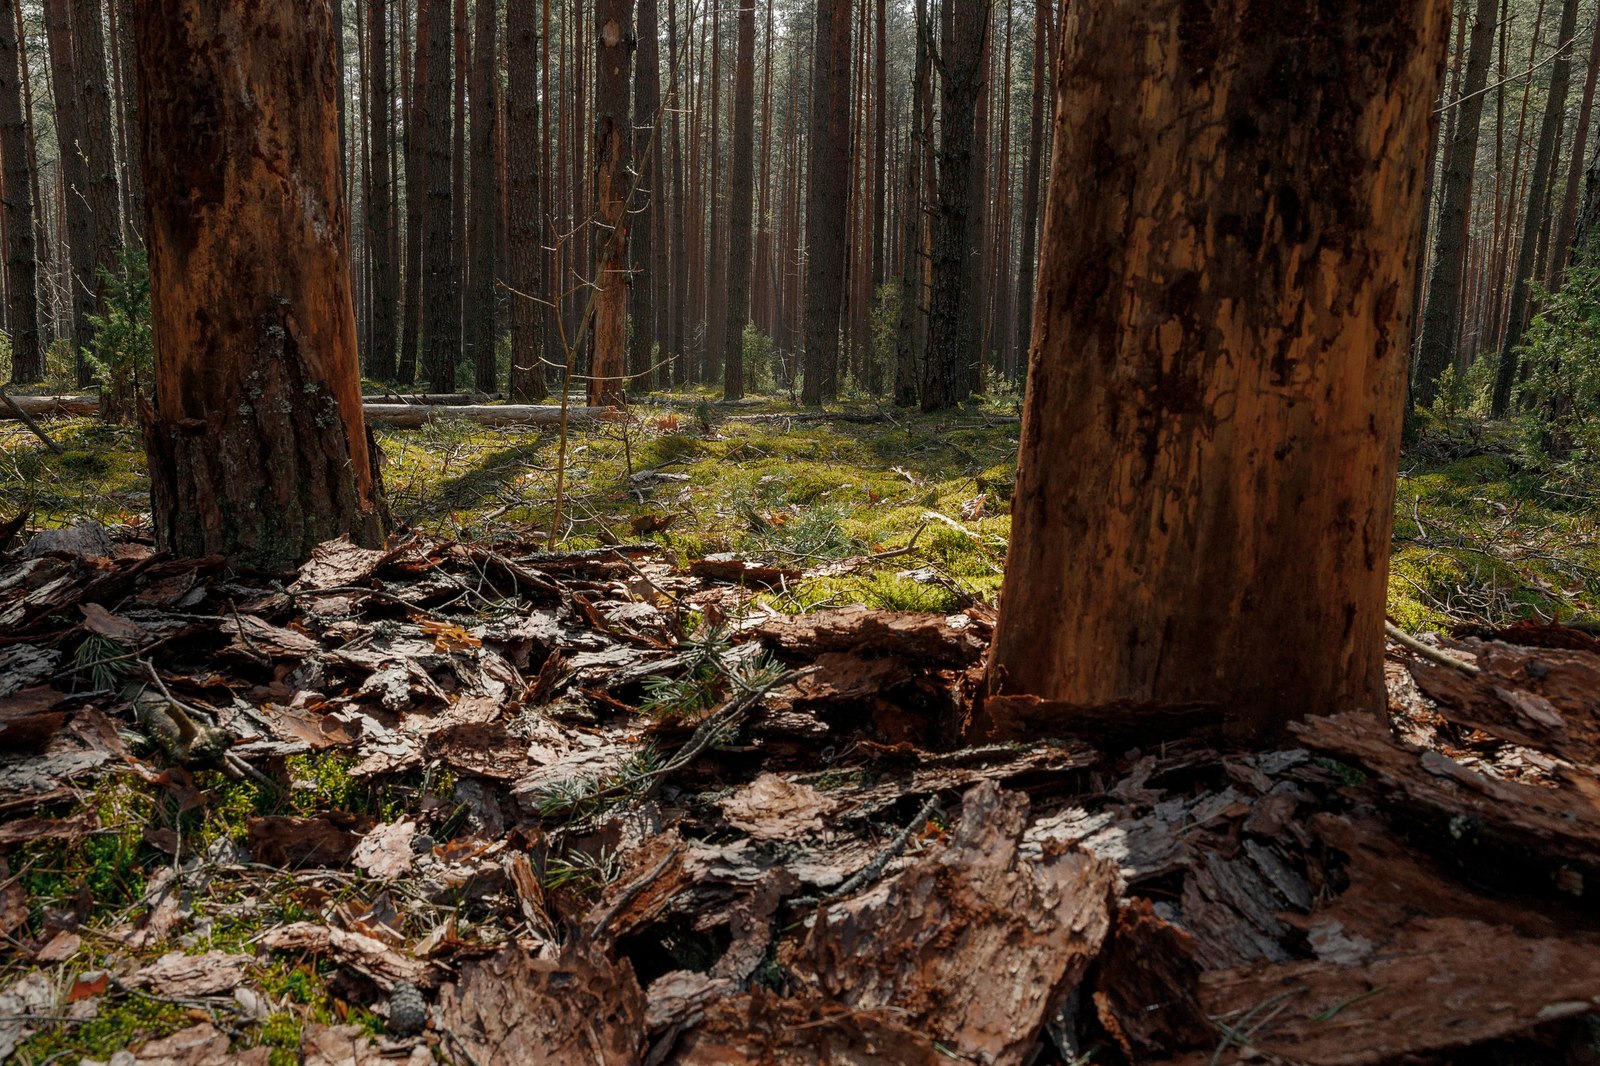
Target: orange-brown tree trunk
point(256, 443)
point(741, 197)
point(1204, 502)
point(613, 139)
point(524, 251)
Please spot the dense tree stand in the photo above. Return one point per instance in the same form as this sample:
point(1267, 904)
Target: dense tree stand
point(257, 447)
point(1204, 503)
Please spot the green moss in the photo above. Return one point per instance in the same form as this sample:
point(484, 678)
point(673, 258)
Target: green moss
point(120, 1023)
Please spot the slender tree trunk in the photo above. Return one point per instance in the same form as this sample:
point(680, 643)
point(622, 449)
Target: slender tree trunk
point(613, 139)
point(524, 251)
point(1441, 313)
point(381, 352)
point(1527, 258)
point(953, 315)
point(680, 251)
point(1561, 242)
point(439, 323)
point(416, 133)
point(462, 57)
point(880, 140)
point(27, 359)
point(645, 248)
point(905, 364)
point(714, 296)
point(75, 182)
point(742, 195)
point(1204, 502)
point(89, 53)
point(825, 206)
point(1030, 179)
point(257, 448)
point(480, 305)
point(132, 180)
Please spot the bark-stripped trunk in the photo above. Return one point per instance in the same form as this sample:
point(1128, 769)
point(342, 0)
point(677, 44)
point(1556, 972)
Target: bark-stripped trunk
point(1544, 160)
point(380, 232)
point(74, 181)
point(645, 248)
point(613, 139)
point(1204, 503)
point(952, 363)
point(826, 202)
point(257, 446)
point(1441, 315)
point(27, 360)
point(524, 250)
point(479, 324)
point(440, 326)
point(741, 204)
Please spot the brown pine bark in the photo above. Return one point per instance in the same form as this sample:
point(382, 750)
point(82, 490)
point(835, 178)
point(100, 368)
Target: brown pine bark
point(1204, 503)
point(741, 194)
point(132, 180)
point(713, 296)
point(1544, 160)
point(76, 208)
point(680, 251)
point(479, 318)
point(905, 363)
point(523, 173)
point(644, 246)
point(27, 359)
point(440, 325)
point(414, 106)
point(825, 204)
point(462, 56)
point(257, 447)
point(880, 141)
point(1561, 240)
point(89, 54)
point(613, 140)
point(380, 234)
point(952, 363)
point(1030, 179)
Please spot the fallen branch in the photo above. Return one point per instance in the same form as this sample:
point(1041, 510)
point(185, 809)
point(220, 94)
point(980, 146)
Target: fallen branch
point(1427, 651)
point(17, 410)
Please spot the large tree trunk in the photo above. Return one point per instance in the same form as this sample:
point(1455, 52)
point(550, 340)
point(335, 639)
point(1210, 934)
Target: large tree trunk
point(613, 140)
point(132, 180)
point(741, 202)
point(1441, 315)
point(953, 360)
point(1204, 502)
point(27, 361)
point(381, 238)
point(75, 181)
point(478, 321)
point(257, 447)
point(524, 246)
point(645, 248)
point(441, 334)
point(89, 52)
point(1544, 162)
point(825, 200)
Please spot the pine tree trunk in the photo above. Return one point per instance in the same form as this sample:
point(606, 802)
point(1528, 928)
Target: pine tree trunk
point(76, 208)
point(440, 334)
point(462, 59)
point(741, 204)
point(1544, 161)
point(27, 359)
point(950, 368)
point(647, 217)
point(1441, 313)
point(257, 447)
point(381, 352)
point(524, 250)
point(1204, 501)
point(89, 53)
point(479, 319)
point(1030, 179)
point(416, 133)
point(613, 139)
point(680, 251)
point(1561, 242)
point(825, 205)
point(905, 363)
point(132, 180)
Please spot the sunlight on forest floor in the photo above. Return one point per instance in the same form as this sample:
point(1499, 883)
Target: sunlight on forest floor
point(1484, 532)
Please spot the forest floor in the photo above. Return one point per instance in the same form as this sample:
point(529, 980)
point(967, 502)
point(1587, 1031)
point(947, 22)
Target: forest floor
point(493, 797)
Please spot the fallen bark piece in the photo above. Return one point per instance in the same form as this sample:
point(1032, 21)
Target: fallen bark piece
point(385, 852)
point(349, 1045)
point(1147, 993)
point(32, 994)
point(726, 566)
point(339, 564)
point(364, 954)
point(177, 974)
point(26, 830)
point(922, 637)
point(286, 840)
point(1447, 984)
point(198, 1045)
point(763, 1030)
point(773, 808)
point(972, 943)
point(578, 1007)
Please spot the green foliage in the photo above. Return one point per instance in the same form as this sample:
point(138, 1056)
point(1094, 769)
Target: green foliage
point(1561, 367)
point(122, 356)
point(760, 364)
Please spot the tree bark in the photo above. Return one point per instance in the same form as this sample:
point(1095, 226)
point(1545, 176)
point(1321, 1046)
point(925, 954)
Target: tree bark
point(741, 204)
point(825, 201)
point(440, 325)
point(953, 357)
point(479, 320)
point(1030, 179)
point(646, 250)
point(75, 182)
point(1544, 161)
point(1204, 501)
point(381, 239)
point(415, 116)
point(905, 364)
point(257, 447)
point(1441, 314)
point(132, 180)
point(524, 251)
point(613, 140)
point(462, 59)
point(680, 252)
point(1561, 241)
point(27, 360)
point(89, 53)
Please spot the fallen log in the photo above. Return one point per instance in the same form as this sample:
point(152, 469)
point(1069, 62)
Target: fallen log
point(52, 406)
point(414, 411)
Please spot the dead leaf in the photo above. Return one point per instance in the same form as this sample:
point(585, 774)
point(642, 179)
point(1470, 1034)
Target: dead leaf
point(30, 994)
point(59, 948)
point(385, 852)
point(98, 620)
